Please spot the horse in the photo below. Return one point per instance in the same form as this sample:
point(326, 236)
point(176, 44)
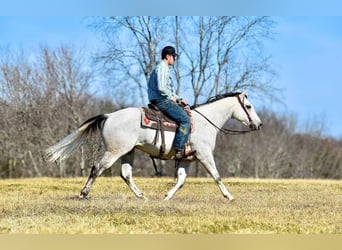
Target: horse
point(122, 133)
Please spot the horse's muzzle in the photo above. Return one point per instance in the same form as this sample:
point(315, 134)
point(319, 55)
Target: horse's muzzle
point(254, 126)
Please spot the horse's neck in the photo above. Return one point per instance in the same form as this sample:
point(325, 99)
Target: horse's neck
point(218, 112)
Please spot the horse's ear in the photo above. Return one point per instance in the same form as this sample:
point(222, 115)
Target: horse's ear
point(244, 93)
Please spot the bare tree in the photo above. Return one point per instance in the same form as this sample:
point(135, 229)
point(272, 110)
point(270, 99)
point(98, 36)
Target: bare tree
point(43, 98)
point(226, 54)
point(217, 54)
point(131, 51)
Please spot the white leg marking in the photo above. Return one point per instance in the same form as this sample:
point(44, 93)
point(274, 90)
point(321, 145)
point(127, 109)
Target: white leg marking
point(209, 164)
point(181, 176)
point(127, 174)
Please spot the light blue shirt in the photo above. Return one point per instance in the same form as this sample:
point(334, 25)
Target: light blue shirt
point(160, 85)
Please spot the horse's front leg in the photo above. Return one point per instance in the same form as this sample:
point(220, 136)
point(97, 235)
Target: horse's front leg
point(223, 189)
point(181, 176)
point(208, 162)
point(127, 174)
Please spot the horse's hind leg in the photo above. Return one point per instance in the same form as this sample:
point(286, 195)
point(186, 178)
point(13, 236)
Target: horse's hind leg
point(127, 175)
point(107, 161)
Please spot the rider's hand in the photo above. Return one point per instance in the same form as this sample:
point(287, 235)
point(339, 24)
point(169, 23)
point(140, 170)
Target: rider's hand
point(183, 102)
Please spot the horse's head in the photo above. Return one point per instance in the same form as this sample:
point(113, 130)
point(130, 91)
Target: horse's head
point(245, 112)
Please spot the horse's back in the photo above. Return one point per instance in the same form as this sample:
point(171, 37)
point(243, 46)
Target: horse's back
point(123, 118)
point(125, 112)
point(122, 127)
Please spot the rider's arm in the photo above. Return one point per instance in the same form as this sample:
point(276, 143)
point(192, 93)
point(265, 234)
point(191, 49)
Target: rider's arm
point(165, 83)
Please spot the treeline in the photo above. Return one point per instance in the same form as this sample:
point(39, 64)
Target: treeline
point(276, 151)
point(42, 100)
point(45, 98)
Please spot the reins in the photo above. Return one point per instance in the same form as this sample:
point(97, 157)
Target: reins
point(229, 131)
point(223, 130)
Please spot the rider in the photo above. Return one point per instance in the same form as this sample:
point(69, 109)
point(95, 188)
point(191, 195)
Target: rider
point(161, 93)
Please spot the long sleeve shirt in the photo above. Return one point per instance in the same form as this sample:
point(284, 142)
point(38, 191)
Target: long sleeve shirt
point(160, 85)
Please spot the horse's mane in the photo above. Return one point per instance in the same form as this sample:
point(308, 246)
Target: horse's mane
point(216, 98)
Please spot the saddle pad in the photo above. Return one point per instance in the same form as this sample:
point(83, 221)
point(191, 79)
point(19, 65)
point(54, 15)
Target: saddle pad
point(150, 119)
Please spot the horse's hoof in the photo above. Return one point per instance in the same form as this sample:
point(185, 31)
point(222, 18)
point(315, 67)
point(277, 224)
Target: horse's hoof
point(83, 197)
point(230, 199)
point(142, 197)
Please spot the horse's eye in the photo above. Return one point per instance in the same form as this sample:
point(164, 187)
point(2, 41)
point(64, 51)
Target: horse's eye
point(248, 106)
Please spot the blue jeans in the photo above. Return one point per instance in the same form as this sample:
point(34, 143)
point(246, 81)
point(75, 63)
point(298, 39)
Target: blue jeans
point(176, 113)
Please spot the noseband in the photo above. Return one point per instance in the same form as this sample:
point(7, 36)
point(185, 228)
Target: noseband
point(230, 131)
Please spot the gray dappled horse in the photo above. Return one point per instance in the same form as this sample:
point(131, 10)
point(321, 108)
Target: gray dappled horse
point(122, 133)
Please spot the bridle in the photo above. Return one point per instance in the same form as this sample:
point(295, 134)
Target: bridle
point(242, 103)
point(230, 131)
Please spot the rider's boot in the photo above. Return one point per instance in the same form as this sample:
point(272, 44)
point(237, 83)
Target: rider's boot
point(184, 154)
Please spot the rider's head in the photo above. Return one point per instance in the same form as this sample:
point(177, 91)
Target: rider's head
point(168, 50)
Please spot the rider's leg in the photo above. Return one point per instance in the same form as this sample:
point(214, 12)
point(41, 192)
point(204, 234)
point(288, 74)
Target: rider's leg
point(175, 112)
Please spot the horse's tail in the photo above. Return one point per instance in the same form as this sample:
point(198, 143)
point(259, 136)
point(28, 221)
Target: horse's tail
point(64, 148)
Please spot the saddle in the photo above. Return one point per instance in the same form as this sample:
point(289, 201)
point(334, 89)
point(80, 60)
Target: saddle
point(153, 118)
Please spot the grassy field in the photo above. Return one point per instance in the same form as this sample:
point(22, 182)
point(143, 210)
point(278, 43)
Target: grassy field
point(46, 206)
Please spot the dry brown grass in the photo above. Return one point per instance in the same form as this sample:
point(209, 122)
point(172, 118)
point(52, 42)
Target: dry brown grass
point(48, 206)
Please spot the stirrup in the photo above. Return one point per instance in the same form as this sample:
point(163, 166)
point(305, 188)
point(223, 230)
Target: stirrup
point(181, 154)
